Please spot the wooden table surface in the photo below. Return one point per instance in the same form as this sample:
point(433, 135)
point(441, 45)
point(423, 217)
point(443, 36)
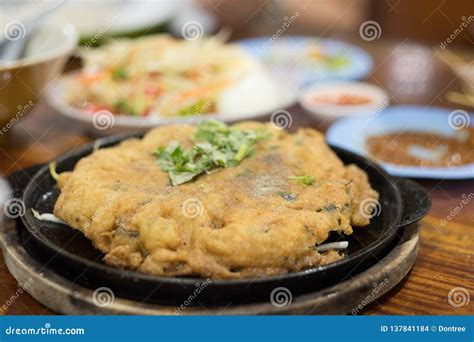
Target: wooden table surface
point(411, 74)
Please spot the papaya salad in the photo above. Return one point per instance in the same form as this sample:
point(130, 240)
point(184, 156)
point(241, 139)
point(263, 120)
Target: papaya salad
point(163, 76)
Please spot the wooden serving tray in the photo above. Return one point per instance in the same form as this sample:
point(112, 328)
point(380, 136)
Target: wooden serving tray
point(349, 296)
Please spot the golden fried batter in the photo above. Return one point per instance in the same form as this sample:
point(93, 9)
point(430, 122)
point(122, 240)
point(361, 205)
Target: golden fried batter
point(245, 221)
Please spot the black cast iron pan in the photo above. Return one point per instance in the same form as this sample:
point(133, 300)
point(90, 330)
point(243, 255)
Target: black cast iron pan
point(69, 253)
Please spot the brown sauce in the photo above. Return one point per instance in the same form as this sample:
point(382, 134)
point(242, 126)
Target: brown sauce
point(423, 149)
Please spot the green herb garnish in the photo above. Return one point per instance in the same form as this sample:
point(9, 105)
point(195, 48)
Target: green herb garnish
point(119, 74)
point(216, 146)
point(304, 180)
point(52, 170)
point(337, 62)
point(135, 107)
point(124, 106)
point(200, 107)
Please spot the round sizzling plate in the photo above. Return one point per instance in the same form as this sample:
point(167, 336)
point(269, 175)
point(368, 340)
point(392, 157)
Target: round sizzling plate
point(72, 255)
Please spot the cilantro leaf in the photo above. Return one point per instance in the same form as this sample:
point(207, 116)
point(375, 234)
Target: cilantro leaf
point(303, 180)
point(216, 146)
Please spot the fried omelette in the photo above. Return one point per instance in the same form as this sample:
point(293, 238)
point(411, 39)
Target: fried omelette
point(248, 220)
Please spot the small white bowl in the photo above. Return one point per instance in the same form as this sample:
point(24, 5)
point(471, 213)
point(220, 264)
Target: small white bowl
point(23, 80)
point(321, 100)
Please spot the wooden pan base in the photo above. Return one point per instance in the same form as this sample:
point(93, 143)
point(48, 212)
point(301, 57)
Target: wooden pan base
point(349, 296)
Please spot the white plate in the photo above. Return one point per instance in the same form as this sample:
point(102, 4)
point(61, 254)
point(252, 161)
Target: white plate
point(119, 124)
point(291, 64)
point(351, 134)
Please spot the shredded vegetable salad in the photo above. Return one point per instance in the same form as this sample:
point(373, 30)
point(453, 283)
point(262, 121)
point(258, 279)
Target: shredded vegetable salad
point(313, 55)
point(157, 75)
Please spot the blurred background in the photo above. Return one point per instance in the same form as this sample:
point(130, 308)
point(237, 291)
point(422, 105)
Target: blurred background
point(418, 52)
point(424, 21)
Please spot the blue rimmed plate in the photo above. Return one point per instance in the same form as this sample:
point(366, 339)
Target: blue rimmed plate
point(305, 60)
point(351, 134)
